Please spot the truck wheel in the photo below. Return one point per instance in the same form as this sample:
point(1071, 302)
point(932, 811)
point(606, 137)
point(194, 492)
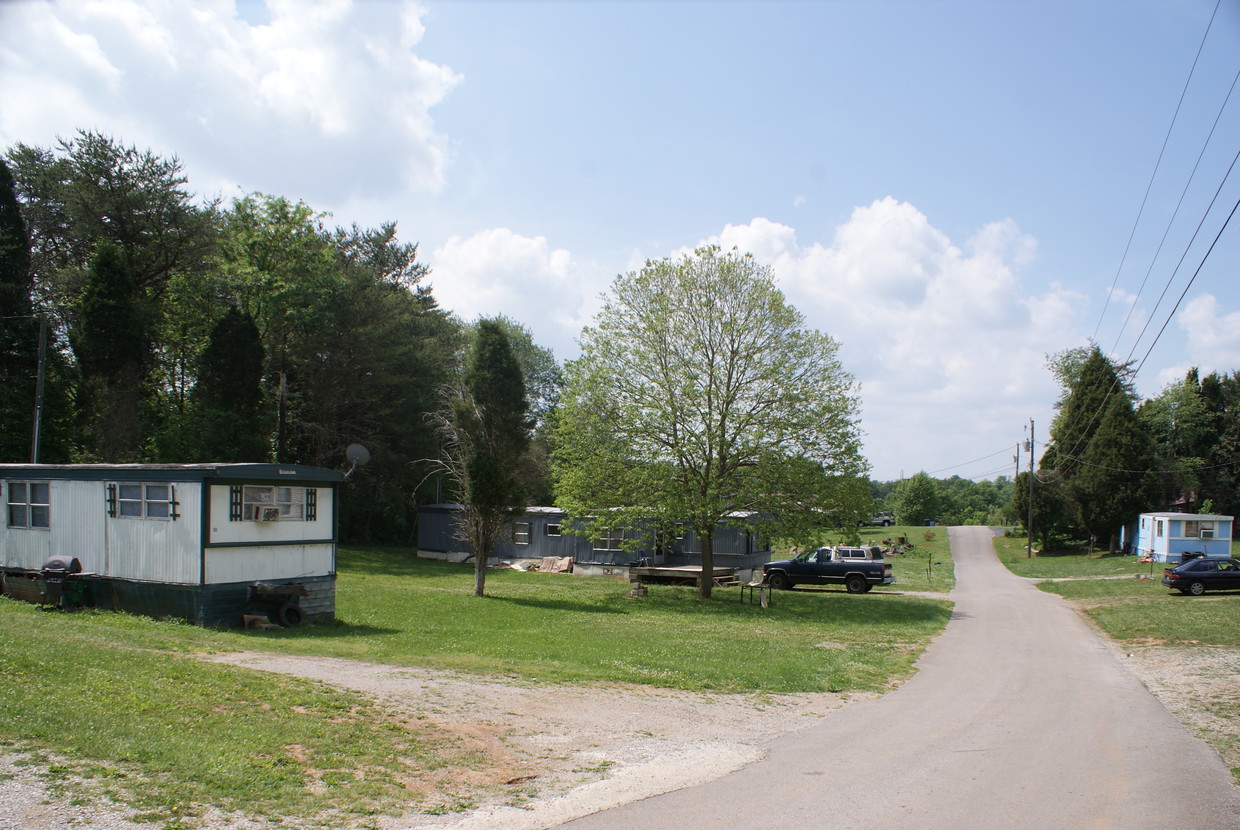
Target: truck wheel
point(779, 581)
point(855, 584)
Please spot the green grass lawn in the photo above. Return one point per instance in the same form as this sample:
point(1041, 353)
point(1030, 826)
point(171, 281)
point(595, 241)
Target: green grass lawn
point(127, 705)
point(1129, 610)
point(395, 608)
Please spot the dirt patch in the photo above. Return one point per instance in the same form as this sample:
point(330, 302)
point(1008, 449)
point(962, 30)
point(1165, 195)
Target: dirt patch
point(547, 754)
point(1198, 685)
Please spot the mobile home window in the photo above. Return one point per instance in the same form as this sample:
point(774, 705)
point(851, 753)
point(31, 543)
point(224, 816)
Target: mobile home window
point(1199, 529)
point(30, 504)
point(271, 504)
point(521, 533)
point(142, 501)
point(612, 539)
point(553, 530)
point(1158, 528)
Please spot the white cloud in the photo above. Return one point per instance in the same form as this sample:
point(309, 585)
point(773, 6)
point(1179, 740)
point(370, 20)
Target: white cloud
point(498, 271)
point(1213, 338)
point(301, 105)
point(949, 349)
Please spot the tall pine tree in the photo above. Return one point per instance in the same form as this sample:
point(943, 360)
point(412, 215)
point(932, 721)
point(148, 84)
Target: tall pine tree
point(485, 426)
point(111, 345)
point(229, 393)
point(18, 329)
point(1099, 453)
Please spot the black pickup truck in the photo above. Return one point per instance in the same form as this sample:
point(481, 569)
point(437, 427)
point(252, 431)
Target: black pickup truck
point(858, 569)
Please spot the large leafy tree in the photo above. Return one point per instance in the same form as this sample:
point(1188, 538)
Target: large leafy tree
point(370, 375)
point(1220, 475)
point(916, 500)
point(700, 392)
point(87, 193)
point(485, 426)
point(1195, 426)
point(93, 189)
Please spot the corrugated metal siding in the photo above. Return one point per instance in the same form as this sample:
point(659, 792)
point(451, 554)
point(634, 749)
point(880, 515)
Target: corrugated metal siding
point(263, 562)
point(77, 516)
point(435, 531)
point(156, 550)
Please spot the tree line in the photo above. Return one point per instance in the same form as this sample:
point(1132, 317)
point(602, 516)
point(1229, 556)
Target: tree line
point(948, 501)
point(1112, 456)
point(181, 329)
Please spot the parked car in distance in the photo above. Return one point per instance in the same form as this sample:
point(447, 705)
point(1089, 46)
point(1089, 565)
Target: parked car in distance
point(883, 519)
point(1198, 574)
point(857, 568)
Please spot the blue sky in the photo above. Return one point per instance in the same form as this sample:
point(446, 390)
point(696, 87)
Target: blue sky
point(946, 187)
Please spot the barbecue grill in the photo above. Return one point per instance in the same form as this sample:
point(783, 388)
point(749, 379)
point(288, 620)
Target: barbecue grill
point(59, 582)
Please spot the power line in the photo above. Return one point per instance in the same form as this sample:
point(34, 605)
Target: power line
point(1190, 283)
point(1157, 164)
point(1179, 263)
point(967, 463)
point(1174, 214)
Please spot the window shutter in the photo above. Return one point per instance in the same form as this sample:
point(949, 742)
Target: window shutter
point(234, 503)
point(312, 504)
point(174, 504)
point(111, 501)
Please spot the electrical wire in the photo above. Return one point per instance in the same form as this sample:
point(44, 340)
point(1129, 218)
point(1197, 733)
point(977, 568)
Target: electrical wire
point(1170, 222)
point(1190, 283)
point(1178, 264)
point(1154, 174)
point(967, 463)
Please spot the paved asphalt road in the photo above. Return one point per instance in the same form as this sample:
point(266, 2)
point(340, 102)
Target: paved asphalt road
point(1019, 717)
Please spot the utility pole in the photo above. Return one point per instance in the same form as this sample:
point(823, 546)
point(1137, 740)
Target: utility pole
point(38, 391)
point(1029, 550)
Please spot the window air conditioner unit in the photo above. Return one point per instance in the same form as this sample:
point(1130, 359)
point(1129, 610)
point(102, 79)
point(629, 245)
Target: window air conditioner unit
point(1207, 533)
point(267, 514)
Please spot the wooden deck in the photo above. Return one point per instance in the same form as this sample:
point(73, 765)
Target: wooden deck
point(680, 575)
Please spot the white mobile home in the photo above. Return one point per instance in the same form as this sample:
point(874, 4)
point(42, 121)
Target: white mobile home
point(1166, 537)
point(203, 542)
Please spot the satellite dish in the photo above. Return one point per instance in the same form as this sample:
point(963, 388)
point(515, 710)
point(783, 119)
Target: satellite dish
point(358, 456)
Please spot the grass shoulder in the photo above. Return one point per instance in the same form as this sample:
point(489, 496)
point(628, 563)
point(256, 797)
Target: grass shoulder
point(1125, 598)
point(160, 730)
